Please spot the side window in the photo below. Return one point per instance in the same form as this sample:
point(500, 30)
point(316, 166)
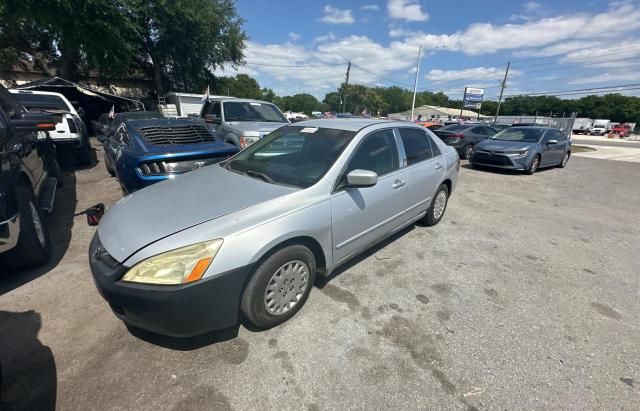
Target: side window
point(560, 136)
point(478, 130)
point(416, 145)
point(434, 147)
point(378, 153)
point(215, 109)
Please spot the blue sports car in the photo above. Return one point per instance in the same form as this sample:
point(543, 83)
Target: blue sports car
point(142, 152)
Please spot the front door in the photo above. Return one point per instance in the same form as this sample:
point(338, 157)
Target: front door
point(361, 216)
point(552, 153)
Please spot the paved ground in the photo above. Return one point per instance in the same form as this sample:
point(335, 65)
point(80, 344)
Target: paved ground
point(603, 141)
point(525, 296)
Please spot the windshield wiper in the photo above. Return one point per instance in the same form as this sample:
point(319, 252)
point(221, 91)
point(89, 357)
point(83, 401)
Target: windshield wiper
point(257, 174)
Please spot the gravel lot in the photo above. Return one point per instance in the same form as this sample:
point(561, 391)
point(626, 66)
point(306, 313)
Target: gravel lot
point(527, 295)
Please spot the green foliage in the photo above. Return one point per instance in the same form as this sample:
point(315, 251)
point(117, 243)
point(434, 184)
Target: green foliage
point(178, 43)
point(614, 107)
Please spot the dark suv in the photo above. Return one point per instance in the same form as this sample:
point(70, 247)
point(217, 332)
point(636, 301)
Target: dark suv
point(29, 175)
point(464, 137)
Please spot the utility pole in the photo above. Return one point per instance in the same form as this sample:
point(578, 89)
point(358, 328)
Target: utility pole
point(415, 83)
point(502, 86)
point(346, 87)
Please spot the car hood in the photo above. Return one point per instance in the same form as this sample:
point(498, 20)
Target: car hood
point(173, 205)
point(497, 145)
point(262, 127)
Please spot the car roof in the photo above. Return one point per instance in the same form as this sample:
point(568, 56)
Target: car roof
point(239, 100)
point(541, 128)
point(353, 124)
point(42, 93)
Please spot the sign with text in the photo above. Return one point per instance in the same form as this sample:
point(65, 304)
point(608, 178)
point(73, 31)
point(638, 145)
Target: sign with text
point(472, 97)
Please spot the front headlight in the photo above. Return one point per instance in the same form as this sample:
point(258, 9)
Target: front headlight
point(519, 154)
point(180, 266)
point(246, 141)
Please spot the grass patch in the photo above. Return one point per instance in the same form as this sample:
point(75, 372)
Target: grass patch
point(581, 149)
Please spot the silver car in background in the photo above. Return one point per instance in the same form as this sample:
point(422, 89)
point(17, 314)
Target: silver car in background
point(248, 236)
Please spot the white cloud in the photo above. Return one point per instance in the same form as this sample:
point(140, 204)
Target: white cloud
point(370, 7)
point(400, 32)
point(532, 7)
point(606, 78)
point(407, 10)
point(334, 15)
point(330, 36)
point(294, 36)
point(476, 73)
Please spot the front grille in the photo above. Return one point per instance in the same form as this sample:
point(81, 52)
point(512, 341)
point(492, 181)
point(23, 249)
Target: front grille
point(176, 135)
point(491, 159)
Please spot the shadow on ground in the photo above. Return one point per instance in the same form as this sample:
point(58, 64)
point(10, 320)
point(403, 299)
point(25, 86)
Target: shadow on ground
point(28, 379)
point(59, 223)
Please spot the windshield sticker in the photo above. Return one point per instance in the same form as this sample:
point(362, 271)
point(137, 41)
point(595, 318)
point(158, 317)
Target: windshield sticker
point(309, 130)
point(255, 104)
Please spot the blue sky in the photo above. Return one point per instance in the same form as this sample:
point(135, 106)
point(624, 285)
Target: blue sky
point(552, 46)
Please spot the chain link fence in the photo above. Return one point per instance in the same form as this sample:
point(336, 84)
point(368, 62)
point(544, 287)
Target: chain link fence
point(563, 123)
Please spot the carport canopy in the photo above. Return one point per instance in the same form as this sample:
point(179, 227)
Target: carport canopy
point(93, 102)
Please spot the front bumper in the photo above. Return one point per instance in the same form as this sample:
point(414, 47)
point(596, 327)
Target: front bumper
point(9, 233)
point(177, 311)
point(486, 159)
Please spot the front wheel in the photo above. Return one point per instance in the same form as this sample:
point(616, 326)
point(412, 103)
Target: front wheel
point(468, 151)
point(533, 167)
point(34, 246)
point(565, 160)
point(438, 206)
point(279, 287)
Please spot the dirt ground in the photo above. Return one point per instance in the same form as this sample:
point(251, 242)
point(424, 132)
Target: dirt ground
point(527, 295)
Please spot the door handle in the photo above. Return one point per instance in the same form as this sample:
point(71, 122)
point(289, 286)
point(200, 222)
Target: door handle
point(439, 166)
point(398, 183)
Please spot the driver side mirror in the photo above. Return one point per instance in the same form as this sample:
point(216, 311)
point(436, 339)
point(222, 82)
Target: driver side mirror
point(211, 118)
point(551, 142)
point(361, 178)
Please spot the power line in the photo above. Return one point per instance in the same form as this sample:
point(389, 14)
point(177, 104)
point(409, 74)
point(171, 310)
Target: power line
point(578, 50)
point(381, 77)
point(581, 89)
point(296, 65)
point(587, 59)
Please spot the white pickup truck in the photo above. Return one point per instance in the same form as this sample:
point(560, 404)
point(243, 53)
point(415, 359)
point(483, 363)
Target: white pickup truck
point(70, 133)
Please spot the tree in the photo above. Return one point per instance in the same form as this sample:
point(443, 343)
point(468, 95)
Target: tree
point(183, 41)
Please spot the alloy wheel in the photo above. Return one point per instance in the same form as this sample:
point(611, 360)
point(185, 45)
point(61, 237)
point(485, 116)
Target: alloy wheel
point(37, 224)
point(439, 204)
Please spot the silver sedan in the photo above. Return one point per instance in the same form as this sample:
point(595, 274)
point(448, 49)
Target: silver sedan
point(248, 236)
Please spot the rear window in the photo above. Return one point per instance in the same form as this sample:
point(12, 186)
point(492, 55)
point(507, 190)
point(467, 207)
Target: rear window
point(42, 101)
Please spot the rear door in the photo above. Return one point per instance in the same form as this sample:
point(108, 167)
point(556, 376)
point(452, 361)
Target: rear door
point(425, 167)
point(361, 216)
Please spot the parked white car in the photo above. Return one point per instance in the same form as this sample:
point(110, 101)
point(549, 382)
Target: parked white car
point(70, 133)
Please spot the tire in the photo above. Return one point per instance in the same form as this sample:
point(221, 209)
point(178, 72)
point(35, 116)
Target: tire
point(55, 172)
point(83, 154)
point(467, 152)
point(255, 299)
point(533, 167)
point(565, 160)
point(33, 248)
point(435, 212)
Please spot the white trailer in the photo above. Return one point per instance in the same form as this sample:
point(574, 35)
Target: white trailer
point(582, 125)
point(187, 103)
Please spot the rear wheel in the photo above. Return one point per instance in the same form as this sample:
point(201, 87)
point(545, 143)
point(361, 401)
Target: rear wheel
point(279, 287)
point(83, 154)
point(533, 167)
point(55, 172)
point(34, 246)
point(438, 206)
point(468, 151)
point(565, 160)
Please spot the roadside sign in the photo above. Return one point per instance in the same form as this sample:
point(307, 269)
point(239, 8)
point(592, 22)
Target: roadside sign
point(472, 97)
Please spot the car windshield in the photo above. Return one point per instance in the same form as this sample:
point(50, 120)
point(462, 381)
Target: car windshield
point(292, 155)
point(42, 102)
point(528, 135)
point(141, 115)
point(252, 111)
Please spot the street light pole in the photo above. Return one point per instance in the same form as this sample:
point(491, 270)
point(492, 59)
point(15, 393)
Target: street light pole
point(415, 83)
